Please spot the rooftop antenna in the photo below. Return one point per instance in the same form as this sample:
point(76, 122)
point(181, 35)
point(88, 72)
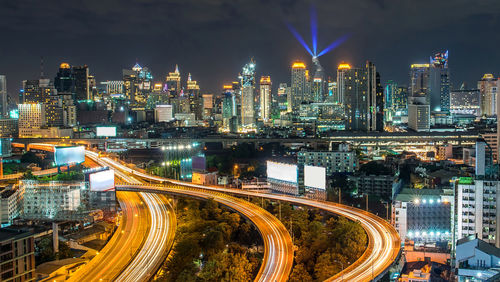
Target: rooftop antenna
point(42, 75)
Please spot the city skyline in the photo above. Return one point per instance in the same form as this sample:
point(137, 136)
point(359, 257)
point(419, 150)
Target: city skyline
point(200, 41)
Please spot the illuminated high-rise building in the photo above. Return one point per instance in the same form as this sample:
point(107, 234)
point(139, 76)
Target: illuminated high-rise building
point(3, 97)
point(113, 87)
point(229, 109)
point(439, 82)
point(360, 89)
point(298, 86)
point(265, 98)
point(31, 118)
point(247, 79)
point(194, 98)
point(419, 81)
point(400, 101)
point(137, 84)
point(390, 92)
point(318, 83)
point(64, 82)
point(488, 88)
point(173, 82)
point(341, 76)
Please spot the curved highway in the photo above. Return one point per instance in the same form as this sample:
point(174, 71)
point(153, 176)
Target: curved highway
point(141, 242)
point(384, 242)
point(278, 246)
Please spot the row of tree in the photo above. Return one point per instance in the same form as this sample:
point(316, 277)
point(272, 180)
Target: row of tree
point(325, 243)
point(212, 244)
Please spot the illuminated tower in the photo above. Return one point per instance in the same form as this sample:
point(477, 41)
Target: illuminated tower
point(419, 81)
point(247, 78)
point(318, 86)
point(298, 87)
point(64, 82)
point(359, 87)
point(439, 82)
point(173, 82)
point(137, 84)
point(193, 96)
point(488, 88)
point(265, 98)
point(341, 76)
point(3, 97)
point(229, 109)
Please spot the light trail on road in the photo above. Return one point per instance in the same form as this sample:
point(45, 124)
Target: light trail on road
point(384, 242)
point(278, 246)
point(140, 244)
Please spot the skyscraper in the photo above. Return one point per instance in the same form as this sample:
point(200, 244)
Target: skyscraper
point(265, 98)
point(247, 78)
point(341, 70)
point(137, 83)
point(4, 112)
point(82, 83)
point(419, 81)
point(298, 87)
point(64, 82)
point(390, 93)
point(439, 82)
point(229, 109)
point(488, 89)
point(174, 89)
point(194, 99)
point(31, 118)
point(360, 97)
point(318, 86)
point(419, 99)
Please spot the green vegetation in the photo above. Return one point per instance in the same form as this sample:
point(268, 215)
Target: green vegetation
point(64, 176)
point(45, 251)
point(212, 244)
point(324, 242)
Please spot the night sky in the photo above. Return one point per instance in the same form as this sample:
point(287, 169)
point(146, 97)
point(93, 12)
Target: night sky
point(213, 39)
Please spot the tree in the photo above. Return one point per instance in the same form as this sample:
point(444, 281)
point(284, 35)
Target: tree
point(325, 265)
point(300, 274)
point(30, 157)
point(227, 267)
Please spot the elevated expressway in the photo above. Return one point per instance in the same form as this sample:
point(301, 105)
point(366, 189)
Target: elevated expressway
point(384, 242)
point(278, 246)
point(140, 243)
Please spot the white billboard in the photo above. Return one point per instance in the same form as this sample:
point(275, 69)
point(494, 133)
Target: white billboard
point(69, 155)
point(102, 181)
point(281, 171)
point(106, 131)
point(315, 177)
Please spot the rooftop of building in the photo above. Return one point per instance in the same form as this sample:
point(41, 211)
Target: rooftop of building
point(421, 269)
point(410, 194)
point(7, 234)
point(481, 245)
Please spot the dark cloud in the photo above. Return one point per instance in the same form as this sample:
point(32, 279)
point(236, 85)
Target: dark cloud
point(212, 39)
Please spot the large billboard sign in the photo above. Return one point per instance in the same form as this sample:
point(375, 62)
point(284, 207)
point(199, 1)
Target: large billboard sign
point(281, 171)
point(315, 177)
point(199, 163)
point(69, 155)
point(5, 147)
point(105, 131)
point(102, 181)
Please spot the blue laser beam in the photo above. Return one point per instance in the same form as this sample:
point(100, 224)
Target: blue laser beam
point(334, 45)
point(299, 38)
point(314, 29)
